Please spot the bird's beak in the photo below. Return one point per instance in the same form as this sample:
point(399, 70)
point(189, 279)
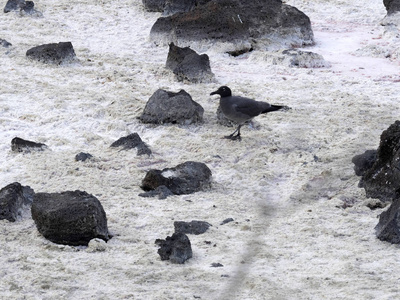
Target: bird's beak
point(213, 93)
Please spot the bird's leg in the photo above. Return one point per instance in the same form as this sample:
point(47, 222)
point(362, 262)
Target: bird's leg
point(235, 137)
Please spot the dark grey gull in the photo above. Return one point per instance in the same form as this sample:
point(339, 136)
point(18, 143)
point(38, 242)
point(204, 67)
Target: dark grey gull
point(240, 109)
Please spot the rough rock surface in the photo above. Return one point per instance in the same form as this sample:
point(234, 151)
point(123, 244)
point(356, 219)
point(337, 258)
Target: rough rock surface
point(71, 218)
point(176, 248)
point(297, 58)
point(154, 5)
point(13, 199)
point(186, 64)
point(392, 6)
point(83, 156)
point(168, 107)
point(388, 228)
point(174, 6)
point(4, 43)
point(259, 23)
point(193, 227)
point(364, 162)
point(161, 191)
point(56, 53)
point(186, 178)
point(26, 6)
point(21, 145)
point(132, 141)
point(382, 180)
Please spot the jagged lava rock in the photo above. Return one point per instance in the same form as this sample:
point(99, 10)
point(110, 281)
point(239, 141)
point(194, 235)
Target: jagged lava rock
point(21, 145)
point(186, 64)
point(169, 107)
point(56, 53)
point(132, 141)
point(176, 248)
point(193, 227)
point(392, 6)
point(259, 23)
point(13, 199)
point(364, 162)
point(382, 180)
point(186, 178)
point(388, 227)
point(70, 218)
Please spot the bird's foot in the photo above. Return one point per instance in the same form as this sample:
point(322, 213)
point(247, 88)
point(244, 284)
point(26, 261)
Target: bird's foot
point(233, 137)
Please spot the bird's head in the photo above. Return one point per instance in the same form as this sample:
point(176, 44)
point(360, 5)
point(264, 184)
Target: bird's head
point(223, 91)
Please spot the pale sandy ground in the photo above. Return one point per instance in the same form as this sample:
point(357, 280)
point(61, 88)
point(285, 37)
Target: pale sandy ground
point(283, 184)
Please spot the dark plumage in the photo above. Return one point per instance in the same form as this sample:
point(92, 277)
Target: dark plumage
point(240, 109)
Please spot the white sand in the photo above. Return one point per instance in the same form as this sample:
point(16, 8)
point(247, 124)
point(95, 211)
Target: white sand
point(283, 184)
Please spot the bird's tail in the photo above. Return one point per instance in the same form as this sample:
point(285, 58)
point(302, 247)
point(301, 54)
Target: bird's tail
point(275, 108)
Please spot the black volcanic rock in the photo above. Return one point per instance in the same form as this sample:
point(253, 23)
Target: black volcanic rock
point(392, 6)
point(27, 6)
point(382, 179)
point(169, 107)
point(176, 248)
point(193, 227)
point(364, 162)
point(388, 228)
point(172, 7)
point(13, 199)
point(4, 43)
point(21, 145)
point(186, 64)
point(70, 218)
point(260, 23)
point(154, 5)
point(56, 53)
point(186, 178)
point(83, 156)
point(132, 141)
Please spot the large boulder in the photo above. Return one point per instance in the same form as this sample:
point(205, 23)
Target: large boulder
point(132, 141)
point(70, 218)
point(382, 179)
point(262, 24)
point(168, 107)
point(21, 145)
point(392, 6)
point(13, 200)
point(186, 64)
point(186, 178)
point(54, 53)
point(176, 248)
point(388, 228)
